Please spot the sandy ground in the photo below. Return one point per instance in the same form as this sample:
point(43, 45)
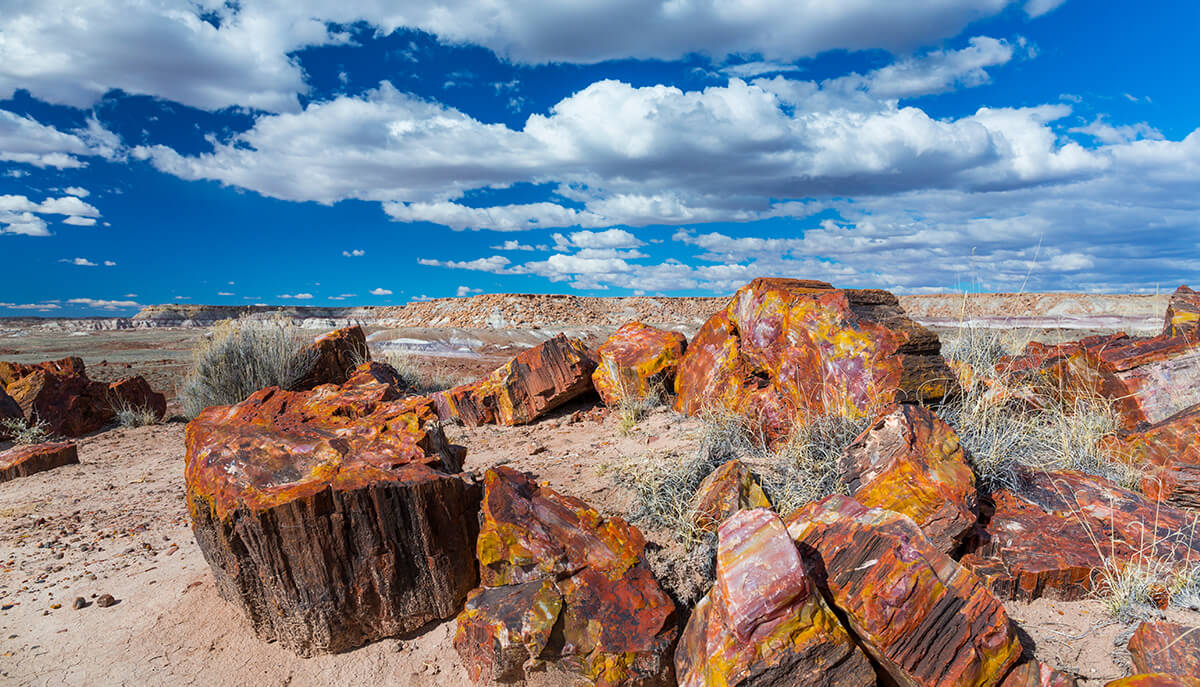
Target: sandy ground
point(116, 524)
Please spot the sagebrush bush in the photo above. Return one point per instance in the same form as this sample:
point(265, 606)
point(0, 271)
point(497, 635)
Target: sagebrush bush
point(418, 379)
point(239, 357)
point(23, 433)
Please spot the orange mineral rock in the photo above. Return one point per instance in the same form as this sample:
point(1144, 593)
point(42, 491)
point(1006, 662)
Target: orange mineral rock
point(785, 348)
point(637, 362)
point(1166, 648)
point(725, 491)
point(1037, 674)
point(1183, 314)
point(334, 357)
point(23, 461)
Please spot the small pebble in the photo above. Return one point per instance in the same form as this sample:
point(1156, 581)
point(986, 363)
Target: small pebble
point(79, 603)
point(105, 601)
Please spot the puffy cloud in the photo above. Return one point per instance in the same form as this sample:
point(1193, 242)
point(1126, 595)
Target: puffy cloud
point(102, 304)
point(611, 238)
point(77, 191)
point(297, 296)
point(79, 262)
point(497, 264)
point(749, 70)
point(19, 214)
point(938, 71)
point(498, 218)
point(464, 291)
point(513, 245)
point(380, 292)
point(356, 253)
point(24, 223)
point(109, 263)
point(25, 140)
point(1107, 133)
point(31, 306)
point(80, 221)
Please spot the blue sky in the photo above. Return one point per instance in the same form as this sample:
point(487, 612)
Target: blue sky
point(263, 151)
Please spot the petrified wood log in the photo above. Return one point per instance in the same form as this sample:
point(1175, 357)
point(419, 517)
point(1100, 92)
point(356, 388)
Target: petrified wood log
point(70, 403)
point(1037, 674)
point(1166, 648)
point(1154, 680)
point(763, 623)
point(23, 461)
point(926, 620)
point(1051, 537)
point(565, 586)
point(135, 392)
point(1183, 314)
point(910, 462)
point(723, 492)
point(335, 356)
point(1169, 454)
point(11, 372)
point(525, 388)
point(636, 362)
point(328, 516)
point(784, 348)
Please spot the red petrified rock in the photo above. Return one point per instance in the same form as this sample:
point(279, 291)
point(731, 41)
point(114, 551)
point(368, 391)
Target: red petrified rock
point(11, 372)
point(636, 362)
point(785, 348)
point(910, 462)
point(1051, 538)
point(530, 385)
point(1169, 454)
point(926, 620)
point(23, 461)
point(1154, 680)
point(1166, 648)
point(578, 594)
point(328, 515)
point(1183, 314)
point(763, 622)
point(71, 404)
point(1037, 674)
point(725, 491)
point(135, 392)
point(334, 357)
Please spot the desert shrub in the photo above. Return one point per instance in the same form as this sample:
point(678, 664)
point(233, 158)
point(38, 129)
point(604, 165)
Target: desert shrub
point(1131, 590)
point(633, 406)
point(417, 378)
point(22, 432)
point(134, 416)
point(241, 356)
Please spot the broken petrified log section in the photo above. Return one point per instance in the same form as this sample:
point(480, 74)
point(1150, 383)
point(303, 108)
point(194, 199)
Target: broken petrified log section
point(536, 381)
point(1162, 647)
point(23, 461)
point(725, 491)
point(637, 362)
point(326, 515)
point(334, 357)
point(562, 586)
point(784, 348)
point(1169, 454)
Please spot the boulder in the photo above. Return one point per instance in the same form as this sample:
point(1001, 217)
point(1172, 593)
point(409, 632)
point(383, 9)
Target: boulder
point(1047, 538)
point(525, 388)
point(70, 403)
point(925, 619)
point(335, 356)
point(785, 348)
point(1183, 314)
point(564, 586)
point(1166, 648)
point(637, 362)
point(11, 372)
point(330, 516)
point(763, 622)
point(1037, 674)
point(1154, 680)
point(135, 392)
point(910, 462)
point(1168, 453)
point(23, 461)
point(725, 491)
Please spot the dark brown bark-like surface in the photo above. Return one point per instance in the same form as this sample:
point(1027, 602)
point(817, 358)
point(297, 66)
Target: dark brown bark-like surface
point(926, 620)
point(525, 388)
point(9, 410)
point(335, 356)
point(326, 515)
point(1166, 648)
point(23, 461)
point(135, 393)
point(71, 404)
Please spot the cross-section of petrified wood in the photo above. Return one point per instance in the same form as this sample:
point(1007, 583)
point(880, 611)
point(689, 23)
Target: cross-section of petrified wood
point(783, 348)
point(763, 623)
point(563, 586)
point(636, 362)
point(329, 516)
point(530, 385)
point(1050, 537)
point(909, 461)
point(1166, 648)
point(925, 619)
point(23, 461)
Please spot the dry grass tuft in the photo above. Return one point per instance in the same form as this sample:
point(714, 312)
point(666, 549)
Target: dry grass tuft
point(23, 433)
point(241, 356)
point(632, 406)
point(134, 416)
point(417, 377)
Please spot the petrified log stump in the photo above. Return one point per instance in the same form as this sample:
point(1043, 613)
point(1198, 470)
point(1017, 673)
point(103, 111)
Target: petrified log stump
point(562, 586)
point(784, 348)
point(926, 620)
point(725, 491)
point(135, 392)
point(328, 516)
point(636, 362)
point(23, 461)
point(1037, 674)
point(1169, 454)
point(1050, 538)
point(763, 623)
point(1183, 314)
point(1166, 648)
point(910, 462)
point(525, 388)
point(335, 355)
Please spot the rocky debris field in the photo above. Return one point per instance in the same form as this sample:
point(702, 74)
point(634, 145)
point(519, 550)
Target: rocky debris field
point(517, 528)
